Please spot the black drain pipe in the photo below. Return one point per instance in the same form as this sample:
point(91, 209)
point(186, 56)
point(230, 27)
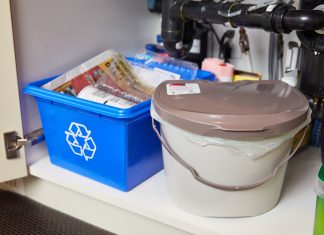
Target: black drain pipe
point(279, 18)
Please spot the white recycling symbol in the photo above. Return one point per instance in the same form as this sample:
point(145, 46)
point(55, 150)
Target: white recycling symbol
point(79, 139)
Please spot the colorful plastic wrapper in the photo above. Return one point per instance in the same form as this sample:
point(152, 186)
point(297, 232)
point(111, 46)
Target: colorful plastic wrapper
point(114, 73)
point(185, 69)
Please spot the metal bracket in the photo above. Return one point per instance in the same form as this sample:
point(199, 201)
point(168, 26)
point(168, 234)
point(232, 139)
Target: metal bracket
point(13, 142)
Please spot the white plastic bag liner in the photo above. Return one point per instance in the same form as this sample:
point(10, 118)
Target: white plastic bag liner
point(253, 149)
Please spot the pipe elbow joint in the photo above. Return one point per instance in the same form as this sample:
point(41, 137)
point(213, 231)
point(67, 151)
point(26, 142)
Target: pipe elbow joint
point(304, 20)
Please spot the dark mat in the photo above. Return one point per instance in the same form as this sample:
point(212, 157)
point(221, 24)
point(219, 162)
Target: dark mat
point(20, 215)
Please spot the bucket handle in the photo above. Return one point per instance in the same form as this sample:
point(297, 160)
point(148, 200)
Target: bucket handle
point(220, 186)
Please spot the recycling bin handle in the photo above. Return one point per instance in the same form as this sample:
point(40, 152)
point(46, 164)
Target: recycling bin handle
point(221, 186)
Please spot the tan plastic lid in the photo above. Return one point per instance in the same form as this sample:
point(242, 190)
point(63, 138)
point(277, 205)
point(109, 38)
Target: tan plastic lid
point(243, 110)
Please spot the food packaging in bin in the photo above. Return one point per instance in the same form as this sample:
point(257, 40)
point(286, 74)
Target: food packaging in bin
point(226, 145)
point(111, 145)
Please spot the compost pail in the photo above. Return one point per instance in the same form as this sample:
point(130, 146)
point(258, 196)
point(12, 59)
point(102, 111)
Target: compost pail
point(226, 145)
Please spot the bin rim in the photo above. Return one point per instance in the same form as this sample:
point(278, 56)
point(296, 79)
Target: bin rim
point(35, 89)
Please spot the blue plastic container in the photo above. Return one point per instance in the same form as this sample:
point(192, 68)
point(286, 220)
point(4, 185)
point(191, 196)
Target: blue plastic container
point(114, 146)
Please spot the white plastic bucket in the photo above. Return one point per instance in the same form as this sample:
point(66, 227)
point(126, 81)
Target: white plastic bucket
point(248, 174)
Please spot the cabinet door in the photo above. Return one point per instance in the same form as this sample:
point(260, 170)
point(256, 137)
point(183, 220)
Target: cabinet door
point(10, 116)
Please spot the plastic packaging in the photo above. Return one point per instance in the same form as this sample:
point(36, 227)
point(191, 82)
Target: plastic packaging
point(186, 70)
point(124, 77)
point(110, 68)
point(117, 92)
point(94, 94)
point(152, 76)
point(223, 71)
point(147, 79)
